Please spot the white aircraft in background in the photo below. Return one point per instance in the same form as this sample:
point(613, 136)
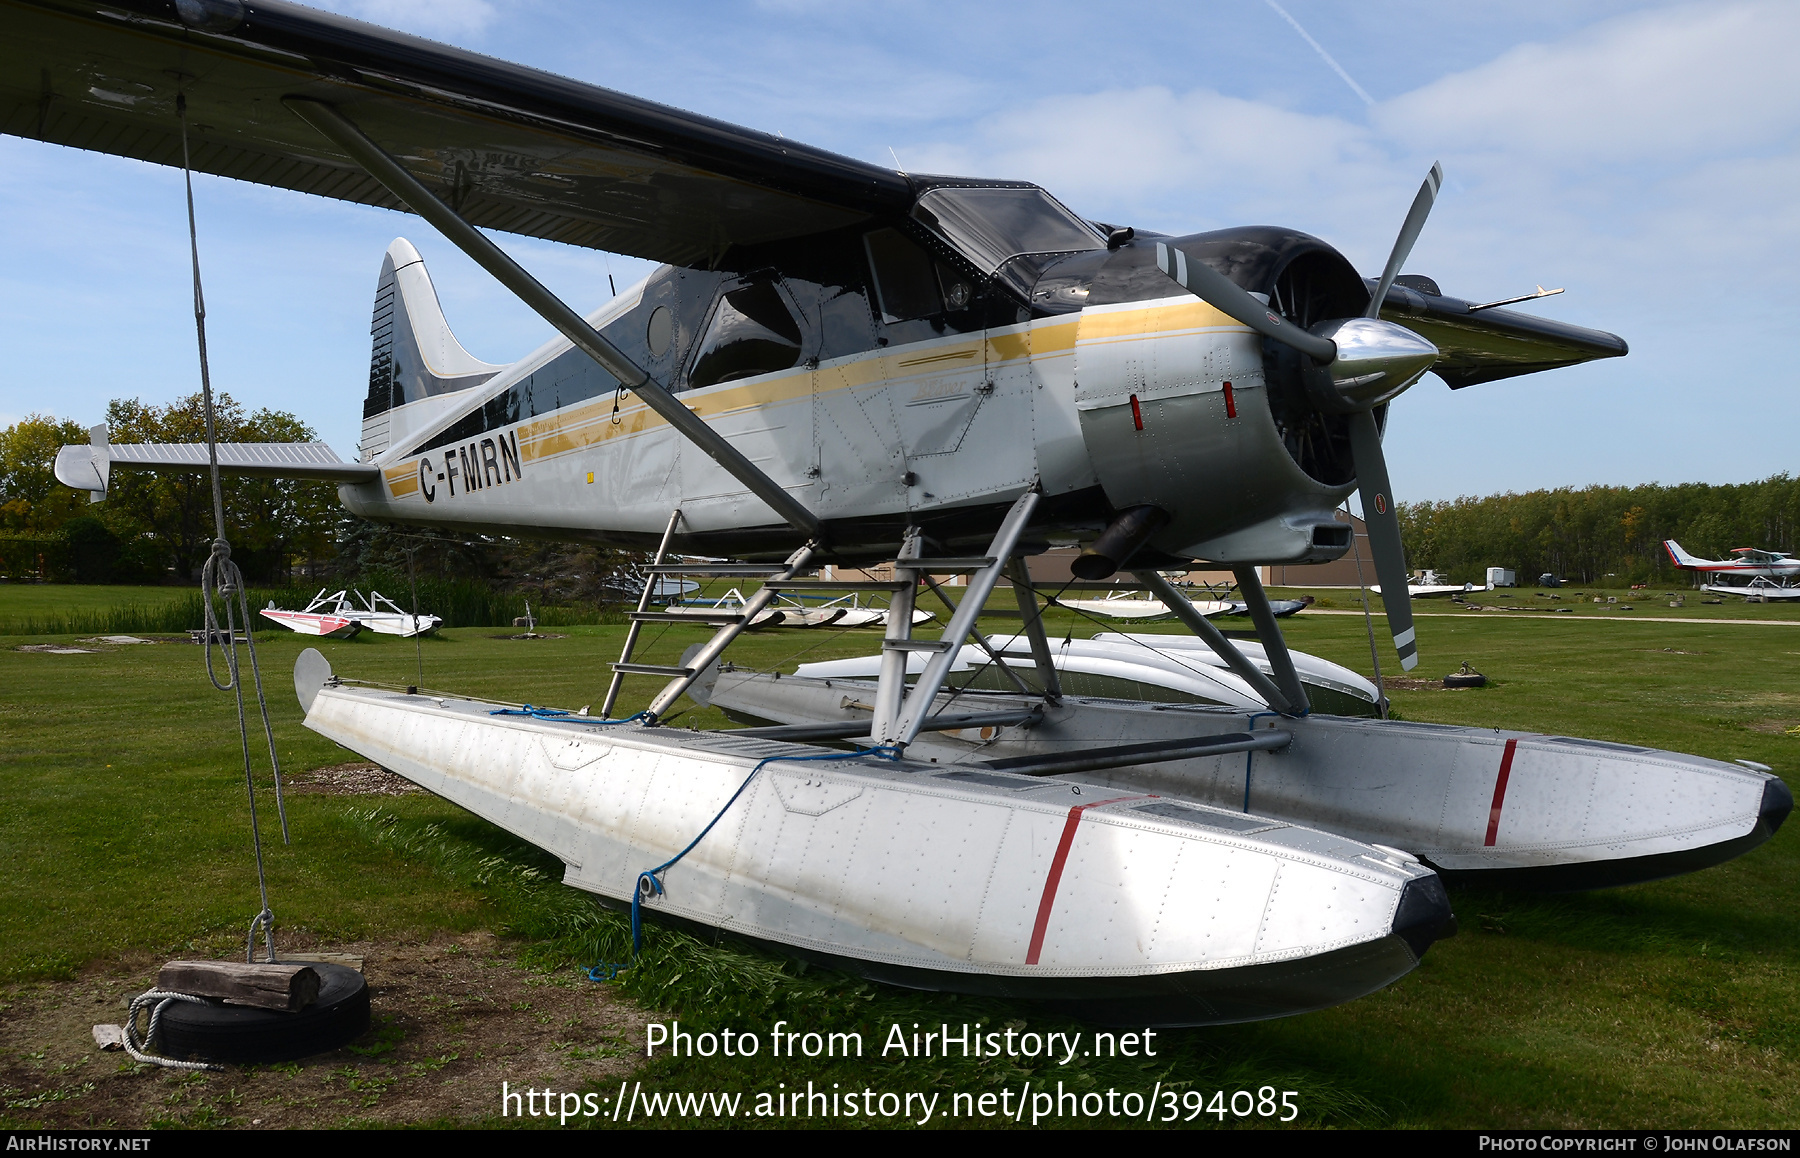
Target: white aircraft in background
point(1775, 570)
point(1429, 586)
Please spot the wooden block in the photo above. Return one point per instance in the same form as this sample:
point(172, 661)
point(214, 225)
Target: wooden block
point(279, 986)
point(351, 960)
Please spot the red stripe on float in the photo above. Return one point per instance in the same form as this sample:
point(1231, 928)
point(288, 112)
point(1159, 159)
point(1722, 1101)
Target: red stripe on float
point(1137, 416)
point(1048, 900)
point(1500, 793)
point(1230, 402)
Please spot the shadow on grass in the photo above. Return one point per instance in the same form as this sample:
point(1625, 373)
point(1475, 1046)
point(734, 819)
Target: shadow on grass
point(1631, 921)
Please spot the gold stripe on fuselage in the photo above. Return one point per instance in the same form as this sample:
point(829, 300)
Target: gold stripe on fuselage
point(402, 480)
point(582, 426)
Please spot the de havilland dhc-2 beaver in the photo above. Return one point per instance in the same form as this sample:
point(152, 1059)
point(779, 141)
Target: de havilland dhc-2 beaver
point(841, 365)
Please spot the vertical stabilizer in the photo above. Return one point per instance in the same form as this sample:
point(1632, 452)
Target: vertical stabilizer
point(1681, 557)
point(416, 358)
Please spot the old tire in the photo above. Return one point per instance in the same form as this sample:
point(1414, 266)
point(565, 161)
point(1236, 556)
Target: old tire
point(1473, 679)
point(217, 1032)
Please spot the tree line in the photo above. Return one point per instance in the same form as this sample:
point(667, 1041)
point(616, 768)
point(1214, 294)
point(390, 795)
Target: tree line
point(1599, 534)
point(154, 528)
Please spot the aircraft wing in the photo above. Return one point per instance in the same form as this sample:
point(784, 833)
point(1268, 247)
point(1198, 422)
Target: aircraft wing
point(509, 147)
point(1487, 344)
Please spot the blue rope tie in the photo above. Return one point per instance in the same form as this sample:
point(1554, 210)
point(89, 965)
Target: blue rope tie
point(649, 882)
point(559, 714)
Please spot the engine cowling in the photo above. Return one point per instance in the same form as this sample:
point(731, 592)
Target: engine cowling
point(1187, 411)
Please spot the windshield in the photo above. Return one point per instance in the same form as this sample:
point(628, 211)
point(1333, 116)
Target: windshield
point(991, 226)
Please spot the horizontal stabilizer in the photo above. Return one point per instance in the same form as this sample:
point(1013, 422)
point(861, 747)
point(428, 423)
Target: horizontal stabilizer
point(89, 467)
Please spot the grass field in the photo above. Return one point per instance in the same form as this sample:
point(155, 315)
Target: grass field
point(1671, 1004)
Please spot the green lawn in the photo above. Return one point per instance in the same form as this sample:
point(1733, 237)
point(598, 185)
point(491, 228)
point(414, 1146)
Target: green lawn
point(40, 600)
point(1578, 602)
point(1671, 1004)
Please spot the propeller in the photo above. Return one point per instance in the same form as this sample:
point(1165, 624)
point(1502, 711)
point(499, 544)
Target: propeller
point(1355, 365)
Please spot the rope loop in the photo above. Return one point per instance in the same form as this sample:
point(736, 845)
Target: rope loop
point(265, 921)
point(157, 1000)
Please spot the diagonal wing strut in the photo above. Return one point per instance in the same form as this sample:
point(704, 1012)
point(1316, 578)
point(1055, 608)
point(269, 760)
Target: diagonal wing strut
point(334, 126)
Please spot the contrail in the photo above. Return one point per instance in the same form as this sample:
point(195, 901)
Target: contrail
point(1326, 56)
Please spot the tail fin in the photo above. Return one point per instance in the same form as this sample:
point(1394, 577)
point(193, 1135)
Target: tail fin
point(416, 357)
point(1681, 558)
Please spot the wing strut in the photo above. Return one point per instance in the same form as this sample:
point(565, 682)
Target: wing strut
point(341, 132)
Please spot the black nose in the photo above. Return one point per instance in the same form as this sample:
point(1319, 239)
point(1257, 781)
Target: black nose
point(1777, 802)
point(1424, 915)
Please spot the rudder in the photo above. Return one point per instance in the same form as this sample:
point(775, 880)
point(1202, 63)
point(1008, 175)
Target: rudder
point(415, 357)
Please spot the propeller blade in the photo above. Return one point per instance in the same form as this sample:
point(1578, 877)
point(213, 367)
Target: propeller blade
point(1226, 296)
point(1409, 233)
point(1384, 533)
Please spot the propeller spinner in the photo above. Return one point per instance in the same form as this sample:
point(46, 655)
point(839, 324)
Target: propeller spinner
point(1355, 365)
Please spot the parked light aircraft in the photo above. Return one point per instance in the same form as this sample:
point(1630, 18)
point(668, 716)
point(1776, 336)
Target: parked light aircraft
point(841, 364)
point(1429, 586)
point(1755, 574)
point(1750, 563)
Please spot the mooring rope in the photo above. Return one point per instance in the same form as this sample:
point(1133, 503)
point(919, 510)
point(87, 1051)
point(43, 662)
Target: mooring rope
point(560, 714)
point(221, 580)
point(649, 882)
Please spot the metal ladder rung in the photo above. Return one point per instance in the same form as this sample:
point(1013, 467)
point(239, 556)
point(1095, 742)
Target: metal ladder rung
point(914, 645)
point(721, 570)
point(1127, 584)
point(679, 617)
point(949, 565)
point(840, 585)
point(654, 669)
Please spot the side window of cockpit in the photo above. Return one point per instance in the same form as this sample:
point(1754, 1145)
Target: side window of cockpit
point(905, 286)
point(752, 332)
point(908, 283)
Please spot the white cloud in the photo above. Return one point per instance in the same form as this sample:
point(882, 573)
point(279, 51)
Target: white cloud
point(1693, 80)
point(1200, 154)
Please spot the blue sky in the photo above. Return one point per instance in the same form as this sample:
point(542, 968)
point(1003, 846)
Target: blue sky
point(1642, 155)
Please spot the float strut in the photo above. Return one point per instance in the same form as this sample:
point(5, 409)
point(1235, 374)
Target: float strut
point(1197, 623)
point(1274, 646)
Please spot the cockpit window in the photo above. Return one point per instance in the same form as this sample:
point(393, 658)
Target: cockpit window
point(906, 286)
point(991, 226)
point(752, 333)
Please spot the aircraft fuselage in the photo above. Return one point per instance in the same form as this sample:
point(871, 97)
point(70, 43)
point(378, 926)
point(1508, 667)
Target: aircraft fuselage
point(1114, 389)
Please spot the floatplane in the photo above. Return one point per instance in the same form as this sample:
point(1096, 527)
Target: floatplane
point(841, 365)
point(1752, 572)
